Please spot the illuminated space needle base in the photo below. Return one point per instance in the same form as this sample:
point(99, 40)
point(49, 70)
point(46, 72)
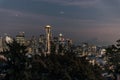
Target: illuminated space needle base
point(48, 39)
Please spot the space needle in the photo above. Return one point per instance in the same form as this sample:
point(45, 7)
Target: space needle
point(48, 39)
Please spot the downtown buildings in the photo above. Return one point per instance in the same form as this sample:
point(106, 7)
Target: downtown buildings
point(45, 44)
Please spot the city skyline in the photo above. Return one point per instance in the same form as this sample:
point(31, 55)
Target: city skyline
point(95, 21)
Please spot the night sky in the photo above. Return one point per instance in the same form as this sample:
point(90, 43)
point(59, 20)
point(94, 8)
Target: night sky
point(95, 21)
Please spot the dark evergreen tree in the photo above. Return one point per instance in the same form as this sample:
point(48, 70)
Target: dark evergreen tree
point(17, 62)
point(113, 56)
point(49, 67)
point(64, 67)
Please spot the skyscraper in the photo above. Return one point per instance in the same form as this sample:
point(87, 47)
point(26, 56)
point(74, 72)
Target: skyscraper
point(20, 38)
point(1, 44)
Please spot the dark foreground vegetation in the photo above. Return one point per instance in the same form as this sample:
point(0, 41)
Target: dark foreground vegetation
point(50, 67)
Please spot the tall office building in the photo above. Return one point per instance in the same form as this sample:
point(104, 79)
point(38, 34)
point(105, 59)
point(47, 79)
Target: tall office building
point(20, 38)
point(4, 41)
point(42, 41)
point(1, 44)
point(48, 39)
point(34, 45)
point(8, 39)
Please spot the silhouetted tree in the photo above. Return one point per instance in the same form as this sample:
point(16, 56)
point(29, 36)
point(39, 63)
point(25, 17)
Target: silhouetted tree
point(17, 60)
point(113, 55)
point(50, 67)
point(66, 67)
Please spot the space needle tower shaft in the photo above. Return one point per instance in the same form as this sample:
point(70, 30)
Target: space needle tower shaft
point(48, 39)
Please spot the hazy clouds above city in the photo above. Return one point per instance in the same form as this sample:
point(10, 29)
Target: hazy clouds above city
point(80, 20)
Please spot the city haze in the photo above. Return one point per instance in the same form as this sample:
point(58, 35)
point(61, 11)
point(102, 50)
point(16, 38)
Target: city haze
point(96, 21)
